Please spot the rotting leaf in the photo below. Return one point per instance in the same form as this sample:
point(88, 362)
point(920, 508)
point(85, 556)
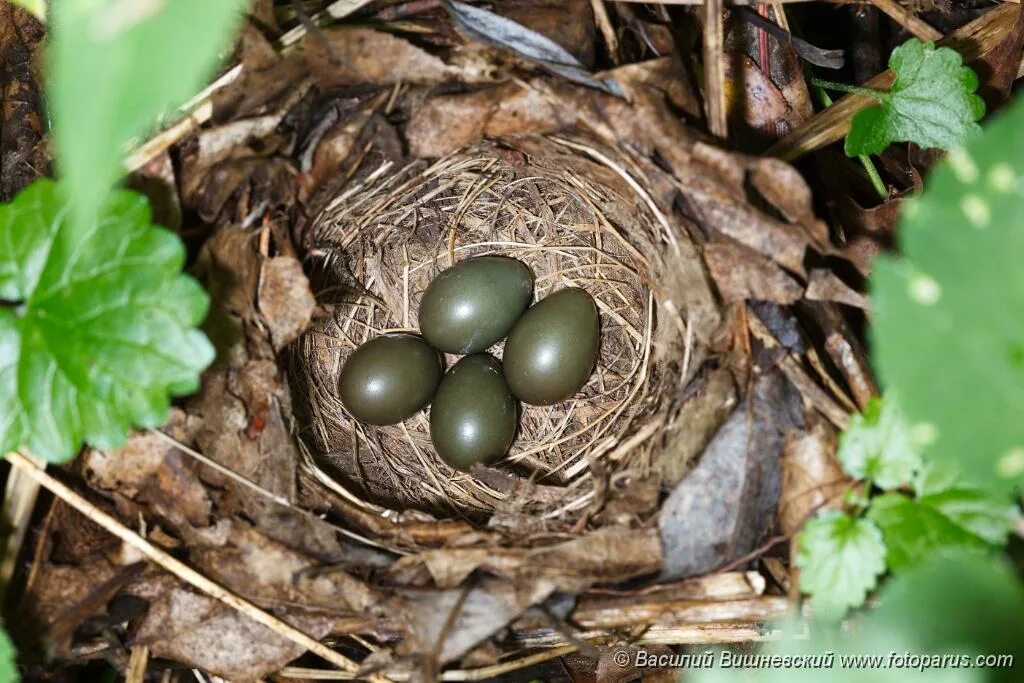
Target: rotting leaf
point(725, 505)
point(483, 25)
point(96, 334)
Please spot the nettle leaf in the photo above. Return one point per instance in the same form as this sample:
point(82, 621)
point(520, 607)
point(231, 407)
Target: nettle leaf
point(115, 66)
point(8, 670)
point(879, 446)
point(932, 103)
point(840, 558)
point(945, 518)
point(96, 323)
point(948, 329)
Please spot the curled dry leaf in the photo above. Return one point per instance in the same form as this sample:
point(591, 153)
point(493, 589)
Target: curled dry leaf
point(825, 285)
point(812, 477)
point(349, 55)
point(699, 419)
point(22, 122)
point(726, 505)
point(285, 299)
point(741, 273)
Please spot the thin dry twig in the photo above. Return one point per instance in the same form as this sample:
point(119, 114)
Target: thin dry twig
point(177, 567)
point(917, 26)
point(714, 68)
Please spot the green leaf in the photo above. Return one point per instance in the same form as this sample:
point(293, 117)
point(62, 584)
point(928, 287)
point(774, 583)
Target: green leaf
point(8, 669)
point(840, 558)
point(115, 66)
point(956, 604)
point(879, 446)
point(96, 323)
point(950, 521)
point(932, 103)
point(948, 332)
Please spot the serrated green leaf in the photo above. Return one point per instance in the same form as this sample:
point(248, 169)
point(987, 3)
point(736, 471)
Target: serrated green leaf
point(956, 604)
point(948, 332)
point(932, 103)
point(97, 323)
point(115, 66)
point(840, 558)
point(8, 669)
point(953, 521)
point(879, 446)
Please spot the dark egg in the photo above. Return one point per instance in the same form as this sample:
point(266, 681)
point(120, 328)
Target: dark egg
point(474, 304)
point(389, 378)
point(473, 417)
point(551, 351)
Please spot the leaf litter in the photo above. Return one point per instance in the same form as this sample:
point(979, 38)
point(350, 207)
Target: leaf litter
point(292, 134)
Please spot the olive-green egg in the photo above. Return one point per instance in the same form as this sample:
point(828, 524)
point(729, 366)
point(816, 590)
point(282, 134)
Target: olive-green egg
point(389, 378)
point(474, 304)
point(551, 351)
point(473, 418)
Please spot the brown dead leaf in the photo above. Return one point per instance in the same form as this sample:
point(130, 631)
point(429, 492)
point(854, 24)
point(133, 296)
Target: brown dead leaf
point(811, 475)
point(153, 473)
point(825, 285)
point(200, 632)
point(700, 417)
point(726, 505)
point(741, 273)
point(358, 56)
point(23, 152)
point(285, 299)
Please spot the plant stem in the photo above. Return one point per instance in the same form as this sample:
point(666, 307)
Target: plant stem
point(865, 160)
point(879, 95)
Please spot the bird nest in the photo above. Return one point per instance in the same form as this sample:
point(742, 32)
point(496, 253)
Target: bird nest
point(575, 216)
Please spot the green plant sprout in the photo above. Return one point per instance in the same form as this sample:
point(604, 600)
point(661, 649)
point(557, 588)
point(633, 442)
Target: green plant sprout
point(932, 102)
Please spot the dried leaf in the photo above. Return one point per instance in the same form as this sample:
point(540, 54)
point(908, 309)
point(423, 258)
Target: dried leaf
point(825, 285)
point(741, 273)
point(812, 477)
point(22, 124)
point(347, 56)
point(285, 299)
point(483, 25)
point(727, 504)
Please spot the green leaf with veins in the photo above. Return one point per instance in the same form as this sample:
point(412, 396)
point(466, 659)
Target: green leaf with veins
point(931, 103)
point(97, 323)
point(945, 518)
point(948, 327)
point(879, 446)
point(840, 558)
point(115, 67)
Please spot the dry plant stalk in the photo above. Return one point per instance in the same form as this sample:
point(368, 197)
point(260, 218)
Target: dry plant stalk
point(576, 223)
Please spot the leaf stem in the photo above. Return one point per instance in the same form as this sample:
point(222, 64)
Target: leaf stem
point(879, 95)
point(865, 160)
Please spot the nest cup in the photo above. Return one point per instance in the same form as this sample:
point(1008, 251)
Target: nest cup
point(573, 214)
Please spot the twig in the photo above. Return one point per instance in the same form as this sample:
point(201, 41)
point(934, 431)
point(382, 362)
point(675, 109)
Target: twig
point(611, 39)
point(918, 27)
point(714, 68)
point(177, 567)
point(20, 495)
point(137, 663)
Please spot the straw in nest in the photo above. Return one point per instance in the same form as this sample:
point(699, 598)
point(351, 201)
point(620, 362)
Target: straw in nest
point(576, 223)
